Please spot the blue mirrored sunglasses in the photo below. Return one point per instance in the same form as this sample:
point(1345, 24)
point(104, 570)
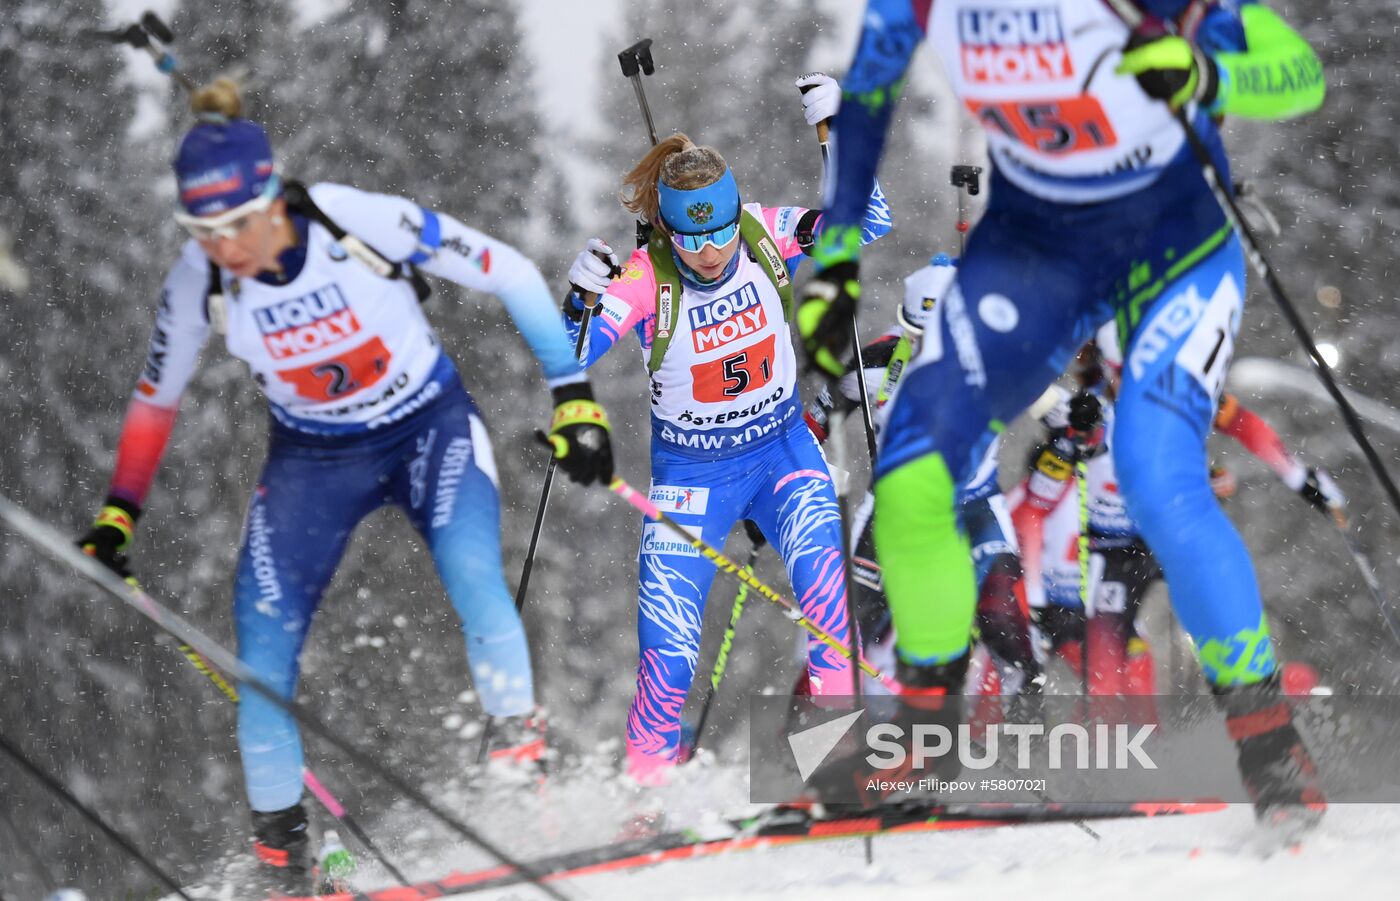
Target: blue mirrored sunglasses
point(720, 238)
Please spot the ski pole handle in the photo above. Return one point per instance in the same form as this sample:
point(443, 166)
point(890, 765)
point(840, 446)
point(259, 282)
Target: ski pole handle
point(590, 301)
point(636, 61)
point(965, 178)
point(823, 129)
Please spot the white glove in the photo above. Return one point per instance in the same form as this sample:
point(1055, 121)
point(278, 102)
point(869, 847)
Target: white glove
point(823, 100)
point(1319, 490)
point(590, 272)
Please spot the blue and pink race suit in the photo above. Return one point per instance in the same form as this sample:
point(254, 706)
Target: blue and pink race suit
point(728, 443)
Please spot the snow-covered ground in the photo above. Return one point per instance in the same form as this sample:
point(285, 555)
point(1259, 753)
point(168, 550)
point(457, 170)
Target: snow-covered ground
point(1170, 859)
point(1167, 858)
point(1351, 855)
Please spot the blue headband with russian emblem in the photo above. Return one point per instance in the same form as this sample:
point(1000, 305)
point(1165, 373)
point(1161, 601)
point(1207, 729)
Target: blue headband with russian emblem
point(702, 210)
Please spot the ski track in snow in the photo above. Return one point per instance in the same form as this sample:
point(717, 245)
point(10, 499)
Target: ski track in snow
point(1167, 858)
point(1146, 860)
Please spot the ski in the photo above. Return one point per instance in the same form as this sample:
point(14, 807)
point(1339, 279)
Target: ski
point(773, 828)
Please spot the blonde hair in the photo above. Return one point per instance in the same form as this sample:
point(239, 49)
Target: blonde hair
point(680, 164)
point(220, 99)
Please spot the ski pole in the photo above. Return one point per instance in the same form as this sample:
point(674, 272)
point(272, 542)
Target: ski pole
point(965, 178)
point(56, 788)
point(1368, 572)
point(1255, 255)
point(859, 373)
point(1081, 477)
point(636, 61)
point(638, 500)
point(144, 35)
point(60, 549)
point(824, 142)
point(308, 778)
point(727, 643)
point(838, 459)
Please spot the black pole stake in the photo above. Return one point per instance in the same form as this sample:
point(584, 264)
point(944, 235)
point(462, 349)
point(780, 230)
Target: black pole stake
point(969, 179)
point(636, 61)
point(1266, 271)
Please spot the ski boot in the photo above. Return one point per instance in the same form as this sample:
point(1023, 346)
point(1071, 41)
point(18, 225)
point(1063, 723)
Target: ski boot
point(1005, 630)
point(929, 694)
point(517, 745)
point(1278, 772)
point(282, 847)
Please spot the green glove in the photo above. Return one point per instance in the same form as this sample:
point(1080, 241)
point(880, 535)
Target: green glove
point(829, 300)
point(1171, 69)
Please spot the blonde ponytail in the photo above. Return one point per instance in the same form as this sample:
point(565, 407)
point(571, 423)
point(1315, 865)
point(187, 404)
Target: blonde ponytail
point(679, 163)
point(221, 99)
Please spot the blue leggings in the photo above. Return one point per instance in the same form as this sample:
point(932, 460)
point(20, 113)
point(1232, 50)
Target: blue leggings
point(1037, 279)
point(783, 486)
point(436, 466)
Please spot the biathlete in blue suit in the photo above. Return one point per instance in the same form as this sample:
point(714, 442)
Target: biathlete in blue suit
point(1098, 211)
point(367, 410)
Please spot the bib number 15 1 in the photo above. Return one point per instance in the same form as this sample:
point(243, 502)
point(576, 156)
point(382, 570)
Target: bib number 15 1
point(1071, 125)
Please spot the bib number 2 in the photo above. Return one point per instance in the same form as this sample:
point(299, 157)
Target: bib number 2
point(333, 379)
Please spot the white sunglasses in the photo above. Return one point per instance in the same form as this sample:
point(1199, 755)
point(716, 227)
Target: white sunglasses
point(230, 223)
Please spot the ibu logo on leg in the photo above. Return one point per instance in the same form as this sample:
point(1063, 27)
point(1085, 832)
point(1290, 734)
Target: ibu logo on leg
point(680, 499)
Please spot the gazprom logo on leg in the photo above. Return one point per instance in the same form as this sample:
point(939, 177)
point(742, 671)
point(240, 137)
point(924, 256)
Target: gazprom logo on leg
point(657, 538)
point(680, 499)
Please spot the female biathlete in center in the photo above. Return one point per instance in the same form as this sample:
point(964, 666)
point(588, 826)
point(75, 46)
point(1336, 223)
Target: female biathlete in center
point(709, 297)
